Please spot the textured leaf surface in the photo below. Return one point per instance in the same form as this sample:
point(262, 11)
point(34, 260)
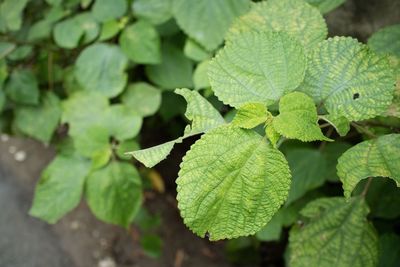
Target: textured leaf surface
point(23, 87)
point(142, 98)
point(114, 193)
point(349, 79)
point(257, 67)
point(206, 21)
point(60, 187)
point(231, 183)
point(154, 11)
point(338, 234)
point(341, 124)
point(141, 43)
point(373, 158)
point(298, 118)
point(101, 68)
point(326, 6)
point(40, 121)
point(251, 115)
point(295, 17)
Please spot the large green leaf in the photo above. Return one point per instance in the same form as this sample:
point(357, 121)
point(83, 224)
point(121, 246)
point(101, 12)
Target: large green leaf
point(60, 187)
point(141, 43)
point(295, 17)
point(231, 183)
point(121, 122)
point(40, 121)
point(105, 10)
point(349, 79)
point(206, 21)
point(23, 87)
point(257, 67)
point(175, 70)
point(298, 118)
point(372, 158)
point(142, 98)
point(42, 28)
point(101, 67)
point(326, 6)
point(11, 14)
point(386, 40)
point(336, 233)
point(154, 11)
point(114, 193)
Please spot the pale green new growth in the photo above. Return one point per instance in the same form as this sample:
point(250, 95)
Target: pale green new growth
point(341, 124)
point(295, 17)
point(372, 158)
point(231, 183)
point(337, 234)
point(257, 67)
point(251, 115)
point(349, 79)
point(298, 118)
point(203, 118)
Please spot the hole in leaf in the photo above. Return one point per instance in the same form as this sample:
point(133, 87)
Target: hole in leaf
point(356, 95)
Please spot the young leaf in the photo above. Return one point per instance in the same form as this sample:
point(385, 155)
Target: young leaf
point(295, 17)
point(60, 187)
point(154, 11)
point(231, 183)
point(206, 21)
point(251, 115)
point(141, 43)
point(274, 66)
point(105, 10)
point(349, 79)
point(337, 234)
point(101, 68)
point(23, 87)
point(326, 6)
point(45, 117)
point(114, 193)
point(372, 158)
point(341, 124)
point(142, 98)
point(298, 118)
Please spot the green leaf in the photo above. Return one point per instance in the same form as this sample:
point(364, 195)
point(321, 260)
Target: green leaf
point(372, 158)
point(341, 124)
point(231, 183)
point(194, 51)
point(104, 10)
point(100, 67)
point(23, 87)
point(153, 155)
point(251, 115)
point(175, 71)
point(332, 152)
point(308, 167)
point(126, 146)
point(20, 53)
point(41, 121)
point(154, 11)
point(93, 142)
point(386, 40)
point(295, 17)
point(143, 98)
point(326, 6)
point(6, 48)
point(336, 234)
point(151, 245)
point(349, 79)
point(272, 230)
point(298, 118)
point(207, 21)
point(200, 76)
point(141, 43)
point(274, 66)
point(389, 250)
point(114, 193)
point(60, 188)
point(109, 29)
point(54, 2)
point(11, 15)
point(121, 122)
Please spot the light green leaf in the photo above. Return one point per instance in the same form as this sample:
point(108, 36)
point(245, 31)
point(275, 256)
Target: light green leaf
point(200, 75)
point(93, 142)
point(141, 43)
point(153, 155)
point(337, 234)
point(207, 21)
point(308, 167)
point(23, 87)
point(11, 15)
point(114, 193)
point(272, 134)
point(326, 6)
point(121, 122)
point(143, 98)
point(231, 183)
point(60, 188)
point(194, 51)
point(20, 53)
point(386, 40)
point(41, 121)
point(298, 118)
point(104, 10)
point(154, 11)
point(295, 17)
point(109, 29)
point(126, 146)
point(101, 68)
point(341, 124)
point(251, 115)
point(349, 79)
point(175, 70)
point(274, 66)
point(372, 158)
